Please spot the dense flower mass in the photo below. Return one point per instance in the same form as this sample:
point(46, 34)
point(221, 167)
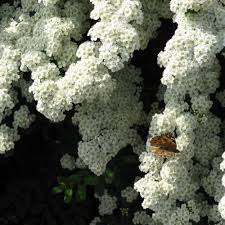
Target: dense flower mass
point(75, 55)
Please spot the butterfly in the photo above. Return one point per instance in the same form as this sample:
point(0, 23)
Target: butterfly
point(164, 146)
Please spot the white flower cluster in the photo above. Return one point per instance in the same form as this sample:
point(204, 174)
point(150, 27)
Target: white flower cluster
point(107, 204)
point(79, 163)
point(171, 183)
point(182, 215)
point(31, 36)
point(95, 221)
point(142, 218)
point(40, 37)
point(221, 205)
point(207, 142)
point(40, 55)
point(191, 75)
point(221, 97)
point(22, 117)
point(184, 6)
point(48, 2)
point(106, 126)
point(38, 40)
point(9, 76)
point(125, 26)
point(214, 215)
point(129, 194)
point(7, 138)
point(67, 162)
point(212, 184)
point(149, 163)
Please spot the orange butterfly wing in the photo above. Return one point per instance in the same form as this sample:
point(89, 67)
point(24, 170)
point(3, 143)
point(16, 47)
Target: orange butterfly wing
point(164, 145)
point(163, 140)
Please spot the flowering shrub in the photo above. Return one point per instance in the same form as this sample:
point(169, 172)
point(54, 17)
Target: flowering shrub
point(75, 55)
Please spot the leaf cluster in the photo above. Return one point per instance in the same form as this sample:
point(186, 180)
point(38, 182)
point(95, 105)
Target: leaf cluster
point(76, 184)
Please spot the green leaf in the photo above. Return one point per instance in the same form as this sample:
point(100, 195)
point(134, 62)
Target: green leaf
point(74, 179)
point(61, 180)
point(58, 189)
point(109, 173)
point(68, 195)
point(90, 180)
point(81, 192)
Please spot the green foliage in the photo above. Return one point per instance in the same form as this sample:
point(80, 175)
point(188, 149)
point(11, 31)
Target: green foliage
point(75, 185)
point(81, 192)
point(90, 180)
point(68, 195)
point(60, 188)
point(108, 175)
